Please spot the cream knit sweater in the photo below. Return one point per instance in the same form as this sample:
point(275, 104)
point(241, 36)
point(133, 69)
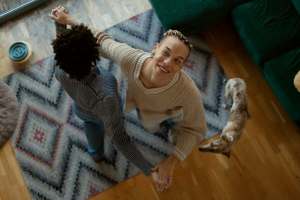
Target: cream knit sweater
point(180, 100)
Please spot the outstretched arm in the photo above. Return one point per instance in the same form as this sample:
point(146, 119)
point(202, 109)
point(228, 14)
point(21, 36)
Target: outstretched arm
point(188, 133)
point(58, 13)
point(120, 53)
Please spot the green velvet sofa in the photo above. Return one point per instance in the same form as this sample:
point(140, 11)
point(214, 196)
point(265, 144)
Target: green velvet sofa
point(269, 30)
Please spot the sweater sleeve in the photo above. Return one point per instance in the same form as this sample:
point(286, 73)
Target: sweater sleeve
point(114, 124)
point(191, 131)
point(121, 53)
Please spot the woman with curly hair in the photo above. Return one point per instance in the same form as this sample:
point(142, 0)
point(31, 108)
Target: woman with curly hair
point(94, 92)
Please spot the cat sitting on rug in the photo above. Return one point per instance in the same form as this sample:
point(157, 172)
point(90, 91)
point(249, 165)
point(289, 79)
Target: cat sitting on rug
point(9, 113)
point(235, 92)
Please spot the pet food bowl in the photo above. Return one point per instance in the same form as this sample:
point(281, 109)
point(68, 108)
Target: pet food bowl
point(20, 53)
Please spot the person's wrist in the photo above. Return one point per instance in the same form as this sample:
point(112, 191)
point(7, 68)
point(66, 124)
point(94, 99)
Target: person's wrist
point(71, 22)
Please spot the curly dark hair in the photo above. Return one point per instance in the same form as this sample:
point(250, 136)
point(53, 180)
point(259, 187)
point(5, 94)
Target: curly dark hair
point(76, 51)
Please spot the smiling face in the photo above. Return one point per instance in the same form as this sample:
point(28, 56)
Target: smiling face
point(169, 57)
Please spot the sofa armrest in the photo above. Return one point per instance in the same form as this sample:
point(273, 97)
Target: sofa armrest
point(296, 5)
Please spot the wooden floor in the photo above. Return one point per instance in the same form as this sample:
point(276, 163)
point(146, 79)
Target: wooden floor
point(265, 164)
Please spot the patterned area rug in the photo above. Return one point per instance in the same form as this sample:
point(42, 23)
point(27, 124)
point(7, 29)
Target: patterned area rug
point(49, 141)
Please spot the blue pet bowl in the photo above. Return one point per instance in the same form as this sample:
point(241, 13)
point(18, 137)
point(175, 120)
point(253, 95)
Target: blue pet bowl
point(18, 51)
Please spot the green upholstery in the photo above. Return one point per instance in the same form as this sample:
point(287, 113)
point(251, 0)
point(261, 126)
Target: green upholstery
point(296, 5)
point(280, 73)
point(191, 15)
point(267, 28)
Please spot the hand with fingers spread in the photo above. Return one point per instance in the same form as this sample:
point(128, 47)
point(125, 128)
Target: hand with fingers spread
point(157, 181)
point(164, 173)
point(60, 15)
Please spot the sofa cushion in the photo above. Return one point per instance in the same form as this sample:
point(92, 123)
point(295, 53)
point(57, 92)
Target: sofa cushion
point(280, 73)
point(191, 15)
point(297, 5)
point(267, 28)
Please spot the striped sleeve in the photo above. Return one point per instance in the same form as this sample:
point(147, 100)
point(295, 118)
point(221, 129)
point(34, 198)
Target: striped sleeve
point(121, 53)
point(191, 131)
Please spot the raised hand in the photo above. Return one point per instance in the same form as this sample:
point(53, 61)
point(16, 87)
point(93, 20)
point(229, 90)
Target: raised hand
point(61, 16)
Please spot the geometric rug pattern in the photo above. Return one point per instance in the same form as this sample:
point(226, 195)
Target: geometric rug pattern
point(49, 141)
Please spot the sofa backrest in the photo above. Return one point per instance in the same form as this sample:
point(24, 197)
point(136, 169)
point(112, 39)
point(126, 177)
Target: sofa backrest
point(297, 5)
